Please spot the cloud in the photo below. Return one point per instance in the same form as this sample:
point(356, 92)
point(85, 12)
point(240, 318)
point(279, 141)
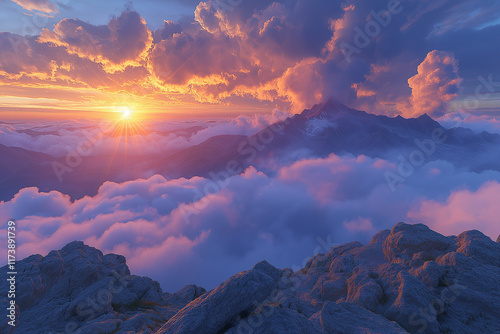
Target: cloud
point(202, 231)
point(26, 63)
point(44, 6)
point(241, 51)
point(151, 138)
point(124, 42)
point(18, 55)
point(294, 53)
point(463, 210)
point(477, 123)
point(436, 83)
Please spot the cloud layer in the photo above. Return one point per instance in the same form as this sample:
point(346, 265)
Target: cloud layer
point(123, 42)
point(202, 231)
point(382, 57)
point(110, 138)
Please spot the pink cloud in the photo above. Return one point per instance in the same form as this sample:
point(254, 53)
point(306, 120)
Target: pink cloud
point(360, 224)
point(200, 231)
point(463, 210)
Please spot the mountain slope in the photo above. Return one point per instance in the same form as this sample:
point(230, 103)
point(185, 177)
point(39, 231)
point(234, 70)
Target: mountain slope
point(334, 128)
point(315, 133)
point(409, 279)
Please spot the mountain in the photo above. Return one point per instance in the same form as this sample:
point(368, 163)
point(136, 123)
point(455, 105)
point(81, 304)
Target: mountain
point(326, 128)
point(199, 160)
point(334, 128)
point(409, 279)
point(78, 175)
point(21, 168)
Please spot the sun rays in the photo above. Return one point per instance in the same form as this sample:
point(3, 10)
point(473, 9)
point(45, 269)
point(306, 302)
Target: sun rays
point(127, 131)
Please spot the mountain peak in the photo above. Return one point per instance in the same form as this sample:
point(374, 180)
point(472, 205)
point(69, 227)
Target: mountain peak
point(427, 121)
point(330, 106)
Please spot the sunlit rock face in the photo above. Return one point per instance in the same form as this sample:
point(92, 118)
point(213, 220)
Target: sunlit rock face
point(409, 279)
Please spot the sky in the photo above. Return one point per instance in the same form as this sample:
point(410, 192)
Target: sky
point(88, 58)
point(170, 75)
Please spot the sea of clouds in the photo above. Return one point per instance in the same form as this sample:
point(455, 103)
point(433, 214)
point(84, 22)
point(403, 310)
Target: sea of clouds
point(201, 231)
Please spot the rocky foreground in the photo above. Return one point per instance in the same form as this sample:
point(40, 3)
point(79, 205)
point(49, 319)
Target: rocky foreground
point(407, 280)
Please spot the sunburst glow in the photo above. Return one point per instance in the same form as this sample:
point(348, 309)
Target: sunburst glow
point(126, 113)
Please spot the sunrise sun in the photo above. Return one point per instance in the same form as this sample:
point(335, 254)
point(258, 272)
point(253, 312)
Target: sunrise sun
point(126, 113)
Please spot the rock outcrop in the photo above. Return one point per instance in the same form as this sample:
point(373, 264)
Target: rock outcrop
point(406, 280)
point(79, 290)
point(221, 307)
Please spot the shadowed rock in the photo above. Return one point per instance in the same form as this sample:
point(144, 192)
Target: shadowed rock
point(221, 307)
point(78, 289)
point(347, 318)
point(408, 279)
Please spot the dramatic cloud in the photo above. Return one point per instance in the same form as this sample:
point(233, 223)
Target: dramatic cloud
point(18, 56)
point(436, 83)
point(240, 51)
point(202, 230)
point(295, 53)
point(124, 41)
point(44, 6)
point(24, 62)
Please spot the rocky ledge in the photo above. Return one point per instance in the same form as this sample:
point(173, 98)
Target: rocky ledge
point(406, 280)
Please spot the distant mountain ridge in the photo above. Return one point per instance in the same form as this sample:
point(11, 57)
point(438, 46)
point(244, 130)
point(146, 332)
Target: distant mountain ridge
point(324, 129)
point(343, 130)
point(409, 279)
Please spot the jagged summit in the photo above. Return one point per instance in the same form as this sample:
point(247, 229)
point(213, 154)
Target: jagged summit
point(334, 108)
point(409, 279)
point(329, 107)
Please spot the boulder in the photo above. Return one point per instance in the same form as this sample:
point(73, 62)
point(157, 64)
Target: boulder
point(417, 243)
point(348, 318)
point(274, 320)
point(479, 247)
point(414, 307)
point(220, 308)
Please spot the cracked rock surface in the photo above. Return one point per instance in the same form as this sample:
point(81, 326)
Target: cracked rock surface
point(409, 279)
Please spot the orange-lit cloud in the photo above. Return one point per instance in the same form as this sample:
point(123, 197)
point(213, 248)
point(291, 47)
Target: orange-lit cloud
point(44, 6)
point(287, 54)
point(436, 83)
point(124, 42)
